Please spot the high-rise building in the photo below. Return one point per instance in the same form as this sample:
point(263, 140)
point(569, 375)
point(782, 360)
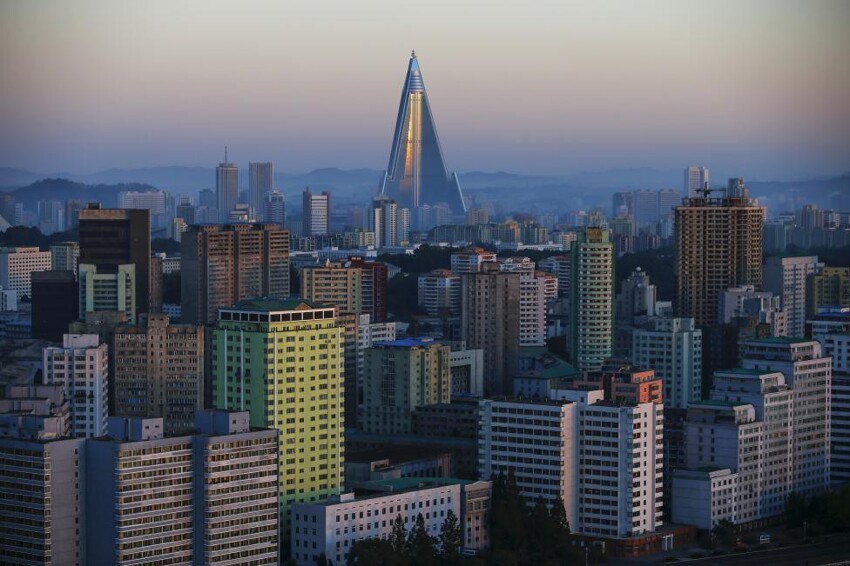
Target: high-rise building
point(208, 498)
point(221, 265)
point(786, 278)
point(55, 304)
point(304, 401)
point(536, 289)
point(316, 213)
point(673, 347)
point(696, 179)
point(560, 267)
point(64, 256)
point(668, 199)
point(565, 450)
point(470, 260)
point(592, 299)
point(390, 223)
point(81, 367)
point(637, 297)
point(113, 237)
point(260, 182)
point(829, 287)
point(108, 291)
point(416, 173)
point(41, 506)
point(837, 345)
point(226, 187)
point(275, 207)
point(155, 201)
point(159, 371)
point(439, 293)
point(490, 321)
point(809, 375)
point(399, 376)
point(17, 266)
point(334, 284)
point(646, 207)
point(622, 205)
point(718, 245)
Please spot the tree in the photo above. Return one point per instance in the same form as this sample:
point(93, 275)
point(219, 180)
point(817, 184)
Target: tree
point(420, 545)
point(398, 536)
point(451, 539)
point(373, 552)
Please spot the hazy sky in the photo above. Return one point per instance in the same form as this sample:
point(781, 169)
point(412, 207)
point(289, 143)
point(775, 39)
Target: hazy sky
point(759, 88)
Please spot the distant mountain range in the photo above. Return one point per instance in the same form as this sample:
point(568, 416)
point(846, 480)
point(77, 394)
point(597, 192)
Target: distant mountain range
point(510, 191)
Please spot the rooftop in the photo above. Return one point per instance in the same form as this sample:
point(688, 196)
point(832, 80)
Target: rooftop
point(415, 342)
point(779, 340)
point(265, 304)
point(719, 403)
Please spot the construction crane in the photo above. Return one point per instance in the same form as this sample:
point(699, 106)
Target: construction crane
point(706, 191)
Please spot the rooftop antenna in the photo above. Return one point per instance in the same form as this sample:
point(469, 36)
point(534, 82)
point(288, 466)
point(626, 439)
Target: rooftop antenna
point(413, 54)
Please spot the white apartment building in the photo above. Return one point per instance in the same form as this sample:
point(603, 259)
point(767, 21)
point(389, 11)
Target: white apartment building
point(603, 460)
point(786, 277)
point(467, 367)
point(535, 289)
point(809, 374)
point(439, 293)
point(16, 265)
point(331, 527)
point(763, 306)
point(673, 348)
point(620, 469)
point(838, 347)
point(155, 201)
point(81, 367)
point(470, 260)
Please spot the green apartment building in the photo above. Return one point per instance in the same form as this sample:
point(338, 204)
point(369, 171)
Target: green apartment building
point(282, 361)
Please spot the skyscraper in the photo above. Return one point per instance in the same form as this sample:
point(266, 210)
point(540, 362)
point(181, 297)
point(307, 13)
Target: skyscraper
point(112, 237)
point(416, 173)
point(718, 246)
point(221, 265)
point(226, 187)
point(786, 278)
point(275, 207)
point(316, 211)
point(260, 182)
point(301, 345)
point(592, 299)
point(696, 178)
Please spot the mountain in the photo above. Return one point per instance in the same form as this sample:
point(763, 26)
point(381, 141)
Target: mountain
point(64, 189)
point(11, 177)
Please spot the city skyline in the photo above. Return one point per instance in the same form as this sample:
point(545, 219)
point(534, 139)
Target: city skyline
point(757, 88)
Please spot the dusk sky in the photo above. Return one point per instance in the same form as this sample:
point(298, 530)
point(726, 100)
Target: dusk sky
point(760, 88)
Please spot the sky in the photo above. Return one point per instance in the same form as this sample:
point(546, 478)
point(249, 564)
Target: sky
point(756, 87)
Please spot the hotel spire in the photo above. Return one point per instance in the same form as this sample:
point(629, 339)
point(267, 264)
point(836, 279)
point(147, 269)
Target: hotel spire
point(416, 174)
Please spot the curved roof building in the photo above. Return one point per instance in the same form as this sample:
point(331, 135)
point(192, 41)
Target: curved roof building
point(416, 174)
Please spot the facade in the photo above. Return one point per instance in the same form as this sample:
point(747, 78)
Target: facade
point(837, 345)
point(159, 371)
point(389, 223)
point(490, 321)
point(334, 284)
point(209, 498)
point(260, 182)
point(809, 374)
point(110, 238)
point(108, 290)
point(575, 451)
point(64, 256)
point(416, 174)
point(439, 293)
point(673, 347)
point(592, 299)
point(17, 266)
point(55, 304)
point(221, 265)
point(786, 278)
point(718, 246)
point(536, 289)
point(41, 506)
point(467, 371)
point(829, 287)
point(400, 376)
point(81, 367)
point(331, 528)
point(306, 397)
point(316, 213)
point(226, 188)
point(470, 260)
point(646, 207)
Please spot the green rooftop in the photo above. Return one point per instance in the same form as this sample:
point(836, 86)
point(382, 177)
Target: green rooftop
point(745, 371)
point(780, 340)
